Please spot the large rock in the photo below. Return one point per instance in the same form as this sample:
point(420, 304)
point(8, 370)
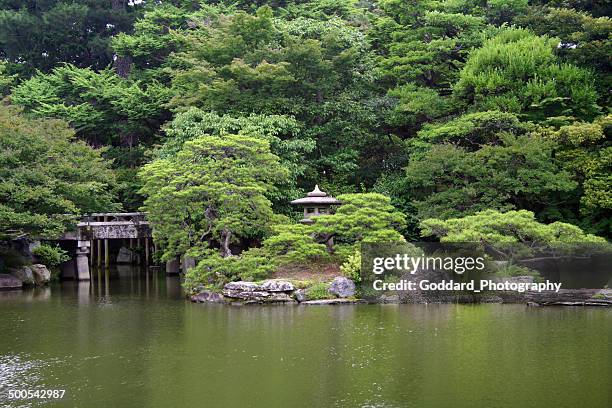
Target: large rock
point(207, 296)
point(279, 297)
point(125, 255)
point(342, 287)
point(41, 274)
point(10, 282)
point(188, 263)
point(277, 286)
point(300, 295)
point(251, 292)
point(173, 266)
point(24, 274)
point(242, 286)
point(255, 295)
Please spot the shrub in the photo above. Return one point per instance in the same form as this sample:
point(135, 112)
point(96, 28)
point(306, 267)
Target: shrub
point(318, 291)
point(214, 270)
point(50, 255)
point(352, 267)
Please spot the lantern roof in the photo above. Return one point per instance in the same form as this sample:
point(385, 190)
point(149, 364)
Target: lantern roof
point(316, 196)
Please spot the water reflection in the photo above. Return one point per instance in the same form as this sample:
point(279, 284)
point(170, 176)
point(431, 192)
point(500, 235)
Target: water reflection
point(128, 279)
point(128, 338)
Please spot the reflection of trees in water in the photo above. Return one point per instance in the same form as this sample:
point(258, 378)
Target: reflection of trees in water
point(126, 317)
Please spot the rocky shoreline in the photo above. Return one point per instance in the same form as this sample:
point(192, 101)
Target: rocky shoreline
point(23, 276)
point(278, 291)
point(343, 291)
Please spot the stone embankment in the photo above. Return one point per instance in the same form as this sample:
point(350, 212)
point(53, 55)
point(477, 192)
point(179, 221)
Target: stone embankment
point(571, 297)
point(273, 291)
point(342, 291)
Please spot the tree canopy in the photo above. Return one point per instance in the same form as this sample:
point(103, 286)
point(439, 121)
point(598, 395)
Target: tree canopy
point(211, 194)
point(47, 178)
point(213, 115)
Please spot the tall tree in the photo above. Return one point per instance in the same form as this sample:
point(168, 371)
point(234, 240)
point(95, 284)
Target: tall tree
point(211, 194)
point(518, 72)
point(47, 178)
point(42, 34)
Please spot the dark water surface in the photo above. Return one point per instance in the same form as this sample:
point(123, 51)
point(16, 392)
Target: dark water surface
point(134, 341)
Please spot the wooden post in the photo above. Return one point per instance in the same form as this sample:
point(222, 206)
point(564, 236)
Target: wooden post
point(99, 252)
point(146, 251)
point(92, 252)
point(106, 254)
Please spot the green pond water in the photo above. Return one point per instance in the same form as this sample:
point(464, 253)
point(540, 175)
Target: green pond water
point(133, 341)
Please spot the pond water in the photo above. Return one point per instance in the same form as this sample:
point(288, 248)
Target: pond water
point(133, 341)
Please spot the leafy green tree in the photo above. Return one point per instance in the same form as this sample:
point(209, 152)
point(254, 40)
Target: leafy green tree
point(596, 8)
point(294, 243)
point(363, 217)
point(499, 227)
point(518, 72)
point(284, 134)
point(422, 47)
point(425, 46)
point(154, 36)
point(520, 172)
point(514, 235)
point(214, 270)
point(41, 34)
point(583, 40)
point(47, 178)
point(479, 161)
point(318, 72)
point(104, 108)
point(505, 11)
point(585, 151)
point(7, 80)
point(470, 131)
point(211, 194)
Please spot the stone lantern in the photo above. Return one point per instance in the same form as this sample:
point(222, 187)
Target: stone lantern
point(315, 203)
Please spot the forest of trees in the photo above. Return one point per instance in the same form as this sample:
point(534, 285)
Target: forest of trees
point(213, 115)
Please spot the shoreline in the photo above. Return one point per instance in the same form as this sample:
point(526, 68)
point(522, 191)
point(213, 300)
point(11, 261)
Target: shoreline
point(284, 293)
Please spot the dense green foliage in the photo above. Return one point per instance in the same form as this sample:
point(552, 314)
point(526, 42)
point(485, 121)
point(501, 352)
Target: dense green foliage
point(50, 255)
point(47, 178)
point(514, 234)
point(513, 226)
point(211, 193)
point(230, 109)
point(37, 34)
point(333, 237)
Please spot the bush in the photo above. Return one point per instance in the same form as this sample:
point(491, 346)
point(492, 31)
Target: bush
point(215, 271)
point(318, 291)
point(352, 267)
point(50, 255)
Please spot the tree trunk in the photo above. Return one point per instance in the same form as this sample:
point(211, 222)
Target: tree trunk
point(122, 64)
point(225, 242)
